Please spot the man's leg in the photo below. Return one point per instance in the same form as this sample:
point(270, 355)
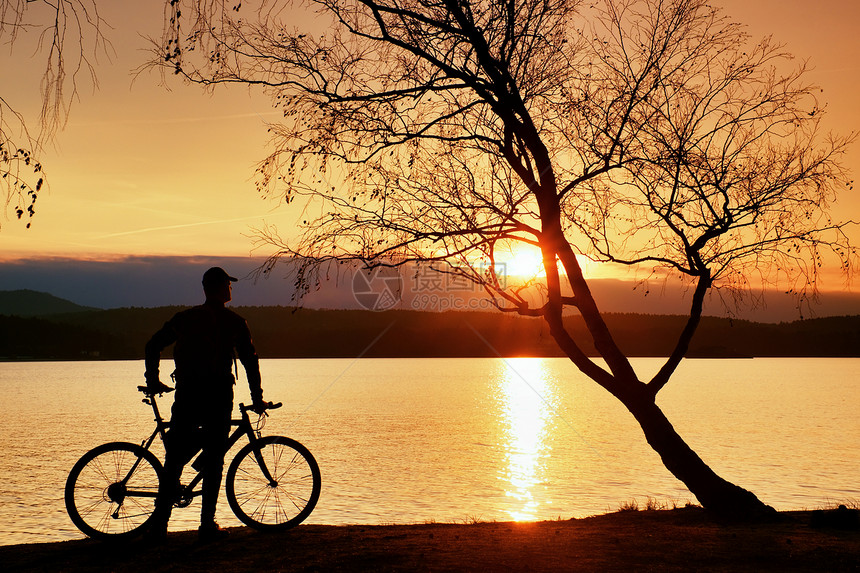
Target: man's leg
point(217, 407)
point(179, 447)
point(214, 448)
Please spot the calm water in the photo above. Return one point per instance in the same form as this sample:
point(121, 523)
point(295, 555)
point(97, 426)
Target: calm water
point(405, 440)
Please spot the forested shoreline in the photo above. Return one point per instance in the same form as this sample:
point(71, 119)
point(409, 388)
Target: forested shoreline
point(286, 332)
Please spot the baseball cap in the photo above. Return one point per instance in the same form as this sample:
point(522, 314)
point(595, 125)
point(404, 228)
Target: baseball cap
point(217, 275)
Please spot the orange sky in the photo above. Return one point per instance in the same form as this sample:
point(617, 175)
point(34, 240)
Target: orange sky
point(142, 170)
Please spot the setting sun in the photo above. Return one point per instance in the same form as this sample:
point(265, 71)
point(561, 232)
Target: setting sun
point(524, 261)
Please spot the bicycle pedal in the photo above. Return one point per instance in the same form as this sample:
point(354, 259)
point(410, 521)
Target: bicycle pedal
point(184, 498)
point(183, 501)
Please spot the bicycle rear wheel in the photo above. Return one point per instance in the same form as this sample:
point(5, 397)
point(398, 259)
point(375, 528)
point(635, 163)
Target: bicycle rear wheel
point(283, 498)
point(111, 491)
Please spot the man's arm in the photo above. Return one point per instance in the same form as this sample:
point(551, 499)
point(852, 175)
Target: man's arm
point(152, 353)
point(250, 361)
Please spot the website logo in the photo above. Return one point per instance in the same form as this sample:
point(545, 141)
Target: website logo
point(379, 288)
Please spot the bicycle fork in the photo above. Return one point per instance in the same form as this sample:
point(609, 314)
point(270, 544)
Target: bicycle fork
point(258, 455)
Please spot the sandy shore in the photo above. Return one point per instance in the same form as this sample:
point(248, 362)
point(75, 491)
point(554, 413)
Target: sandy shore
point(671, 540)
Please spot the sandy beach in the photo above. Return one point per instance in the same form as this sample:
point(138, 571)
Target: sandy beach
point(658, 540)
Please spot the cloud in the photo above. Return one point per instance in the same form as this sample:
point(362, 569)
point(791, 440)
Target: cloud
point(178, 226)
point(150, 281)
point(139, 281)
point(179, 120)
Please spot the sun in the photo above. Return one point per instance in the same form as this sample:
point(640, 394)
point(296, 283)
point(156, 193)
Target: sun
point(524, 261)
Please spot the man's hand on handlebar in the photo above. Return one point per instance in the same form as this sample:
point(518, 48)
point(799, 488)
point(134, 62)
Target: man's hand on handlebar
point(156, 387)
point(260, 406)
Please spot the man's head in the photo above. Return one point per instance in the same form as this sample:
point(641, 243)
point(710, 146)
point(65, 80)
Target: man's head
point(217, 285)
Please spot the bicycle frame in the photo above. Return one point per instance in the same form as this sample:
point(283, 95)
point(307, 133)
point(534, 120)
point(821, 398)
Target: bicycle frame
point(187, 493)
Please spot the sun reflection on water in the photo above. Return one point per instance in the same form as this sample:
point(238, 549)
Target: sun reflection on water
point(524, 391)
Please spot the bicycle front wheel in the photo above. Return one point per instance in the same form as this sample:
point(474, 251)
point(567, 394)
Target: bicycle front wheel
point(273, 483)
point(111, 491)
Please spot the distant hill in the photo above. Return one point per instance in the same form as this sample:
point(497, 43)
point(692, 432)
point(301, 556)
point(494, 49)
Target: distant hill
point(286, 332)
point(29, 303)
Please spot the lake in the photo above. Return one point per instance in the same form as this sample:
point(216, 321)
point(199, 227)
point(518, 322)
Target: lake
point(460, 440)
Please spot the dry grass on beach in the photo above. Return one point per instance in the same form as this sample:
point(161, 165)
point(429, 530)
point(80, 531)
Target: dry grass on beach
point(655, 540)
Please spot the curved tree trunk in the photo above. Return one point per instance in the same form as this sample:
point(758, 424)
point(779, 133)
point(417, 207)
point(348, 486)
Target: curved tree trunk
point(713, 492)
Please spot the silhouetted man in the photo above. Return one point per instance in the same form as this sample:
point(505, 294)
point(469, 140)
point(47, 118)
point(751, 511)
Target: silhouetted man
point(206, 337)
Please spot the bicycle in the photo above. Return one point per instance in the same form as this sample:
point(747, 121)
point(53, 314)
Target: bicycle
point(272, 483)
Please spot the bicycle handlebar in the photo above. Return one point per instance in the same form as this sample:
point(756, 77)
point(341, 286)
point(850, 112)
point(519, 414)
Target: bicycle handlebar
point(268, 406)
point(242, 407)
point(152, 392)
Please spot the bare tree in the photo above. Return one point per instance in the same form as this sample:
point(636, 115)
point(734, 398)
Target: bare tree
point(64, 33)
point(650, 133)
